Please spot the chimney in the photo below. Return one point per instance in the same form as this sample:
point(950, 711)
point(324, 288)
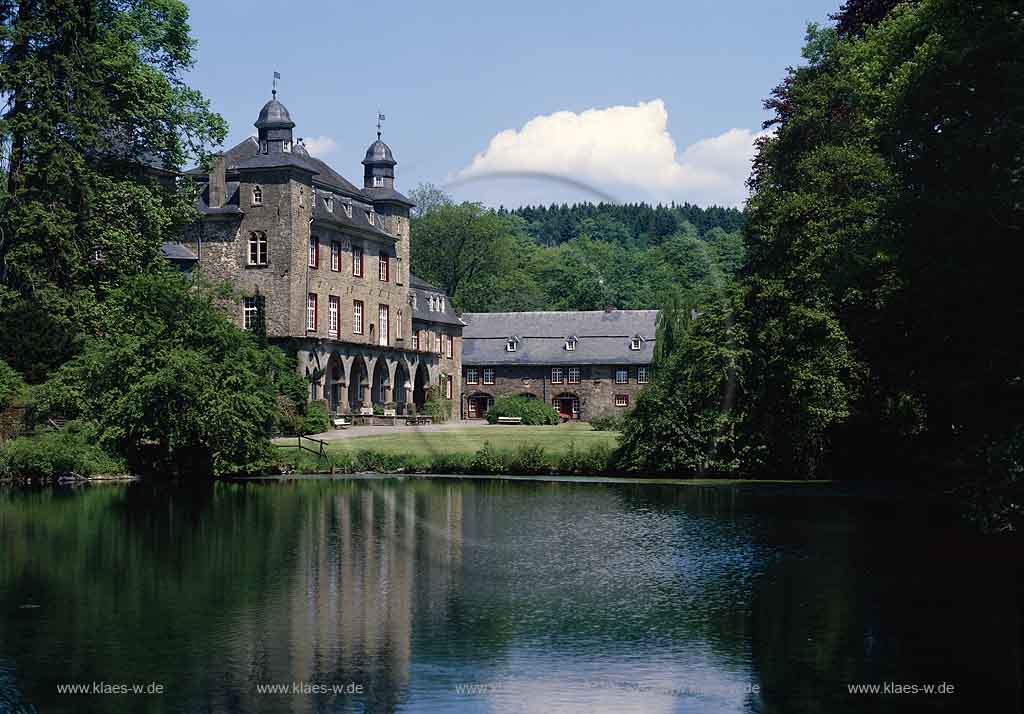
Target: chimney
point(217, 181)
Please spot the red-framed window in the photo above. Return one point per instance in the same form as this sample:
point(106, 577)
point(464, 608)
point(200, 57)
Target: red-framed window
point(335, 256)
point(357, 317)
point(383, 267)
point(333, 305)
point(357, 261)
point(314, 252)
point(311, 312)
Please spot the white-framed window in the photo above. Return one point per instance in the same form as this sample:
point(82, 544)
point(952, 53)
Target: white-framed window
point(574, 375)
point(329, 202)
point(335, 256)
point(415, 340)
point(450, 351)
point(399, 324)
point(634, 343)
point(449, 386)
point(382, 325)
point(378, 181)
point(249, 313)
point(357, 317)
point(257, 195)
point(258, 248)
point(556, 375)
point(643, 375)
point(357, 261)
point(370, 217)
point(311, 312)
point(440, 303)
point(622, 376)
point(471, 375)
point(333, 305)
point(287, 146)
point(414, 301)
point(314, 252)
point(570, 344)
point(622, 400)
point(348, 210)
point(439, 343)
point(488, 375)
point(382, 267)
point(511, 345)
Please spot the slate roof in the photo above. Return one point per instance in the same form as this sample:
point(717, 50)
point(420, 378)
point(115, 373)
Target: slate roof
point(339, 217)
point(602, 337)
point(421, 310)
point(274, 115)
point(379, 153)
point(230, 206)
point(388, 194)
point(177, 252)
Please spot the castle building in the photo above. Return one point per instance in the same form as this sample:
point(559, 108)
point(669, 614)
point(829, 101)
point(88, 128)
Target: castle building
point(585, 364)
point(323, 267)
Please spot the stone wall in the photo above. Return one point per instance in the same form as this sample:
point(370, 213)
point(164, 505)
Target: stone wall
point(596, 390)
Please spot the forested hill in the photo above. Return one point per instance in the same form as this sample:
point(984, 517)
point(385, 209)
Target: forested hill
point(632, 224)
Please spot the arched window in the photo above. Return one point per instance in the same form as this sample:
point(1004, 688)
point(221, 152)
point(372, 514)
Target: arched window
point(258, 254)
point(257, 195)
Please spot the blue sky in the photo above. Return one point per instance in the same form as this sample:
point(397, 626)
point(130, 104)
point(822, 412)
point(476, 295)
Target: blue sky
point(644, 100)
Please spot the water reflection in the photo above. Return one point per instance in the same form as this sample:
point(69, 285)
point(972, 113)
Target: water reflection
point(495, 597)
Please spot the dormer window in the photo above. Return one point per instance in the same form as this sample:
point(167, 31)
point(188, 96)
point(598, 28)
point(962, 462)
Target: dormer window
point(370, 217)
point(378, 181)
point(257, 195)
point(440, 302)
point(570, 344)
point(287, 146)
point(348, 210)
point(635, 343)
point(511, 345)
point(329, 203)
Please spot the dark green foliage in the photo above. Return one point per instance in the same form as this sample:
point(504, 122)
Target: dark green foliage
point(527, 459)
point(71, 452)
point(487, 460)
point(608, 423)
point(688, 421)
point(12, 386)
point(436, 405)
point(172, 382)
point(316, 420)
point(884, 240)
point(534, 412)
point(631, 257)
point(595, 461)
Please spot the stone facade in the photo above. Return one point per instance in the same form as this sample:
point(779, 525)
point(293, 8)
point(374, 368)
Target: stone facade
point(594, 394)
point(585, 364)
point(323, 266)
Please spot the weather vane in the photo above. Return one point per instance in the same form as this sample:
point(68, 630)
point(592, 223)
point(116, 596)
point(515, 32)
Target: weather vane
point(380, 118)
point(277, 76)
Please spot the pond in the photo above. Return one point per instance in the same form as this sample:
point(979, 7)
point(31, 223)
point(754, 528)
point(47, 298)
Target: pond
point(383, 595)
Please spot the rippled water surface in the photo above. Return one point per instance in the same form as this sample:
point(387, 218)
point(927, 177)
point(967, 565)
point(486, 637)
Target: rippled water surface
point(475, 596)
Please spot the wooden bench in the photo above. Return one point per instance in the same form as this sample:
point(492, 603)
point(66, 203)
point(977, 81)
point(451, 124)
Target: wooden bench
point(341, 422)
point(510, 420)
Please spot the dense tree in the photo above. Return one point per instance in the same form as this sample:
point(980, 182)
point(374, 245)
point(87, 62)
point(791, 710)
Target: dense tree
point(884, 236)
point(172, 383)
point(97, 118)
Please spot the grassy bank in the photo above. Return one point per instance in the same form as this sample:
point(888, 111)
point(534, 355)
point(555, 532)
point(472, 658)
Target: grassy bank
point(569, 449)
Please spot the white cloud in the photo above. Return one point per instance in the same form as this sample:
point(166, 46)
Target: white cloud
point(624, 153)
point(320, 146)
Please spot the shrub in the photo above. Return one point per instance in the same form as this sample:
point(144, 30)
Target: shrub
point(607, 423)
point(316, 420)
point(487, 460)
point(12, 387)
point(72, 451)
point(437, 405)
point(528, 460)
point(288, 420)
point(534, 412)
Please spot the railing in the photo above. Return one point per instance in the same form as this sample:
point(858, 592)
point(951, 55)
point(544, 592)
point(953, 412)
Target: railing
point(320, 450)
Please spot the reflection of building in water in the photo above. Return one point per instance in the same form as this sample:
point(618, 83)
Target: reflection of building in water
point(346, 612)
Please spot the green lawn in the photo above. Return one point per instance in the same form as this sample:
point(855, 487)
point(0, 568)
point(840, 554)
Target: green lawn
point(554, 439)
